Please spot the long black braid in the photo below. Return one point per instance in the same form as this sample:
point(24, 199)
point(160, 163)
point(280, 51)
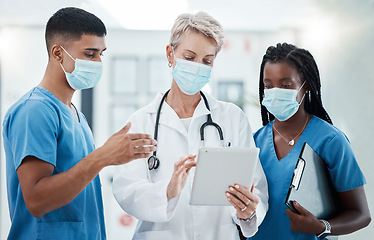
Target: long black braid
point(308, 70)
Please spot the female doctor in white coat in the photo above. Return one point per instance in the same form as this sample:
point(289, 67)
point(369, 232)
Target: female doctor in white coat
point(158, 194)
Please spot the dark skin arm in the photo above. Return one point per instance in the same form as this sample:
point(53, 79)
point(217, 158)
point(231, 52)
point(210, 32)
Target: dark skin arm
point(355, 215)
point(44, 192)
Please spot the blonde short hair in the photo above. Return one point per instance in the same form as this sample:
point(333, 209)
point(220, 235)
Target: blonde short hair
point(200, 22)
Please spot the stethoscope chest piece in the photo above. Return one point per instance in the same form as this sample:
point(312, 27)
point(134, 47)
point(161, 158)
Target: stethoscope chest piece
point(153, 162)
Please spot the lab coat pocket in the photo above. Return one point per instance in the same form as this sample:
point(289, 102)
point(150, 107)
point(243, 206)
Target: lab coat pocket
point(60, 230)
point(154, 235)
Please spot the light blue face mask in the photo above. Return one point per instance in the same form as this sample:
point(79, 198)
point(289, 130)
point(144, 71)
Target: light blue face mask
point(190, 76)
point(86, 74)
point(282, 102)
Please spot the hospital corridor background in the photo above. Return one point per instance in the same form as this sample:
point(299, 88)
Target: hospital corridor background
point(339, 33)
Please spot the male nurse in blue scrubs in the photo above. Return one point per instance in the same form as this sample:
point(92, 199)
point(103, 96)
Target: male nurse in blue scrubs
point(54, 191)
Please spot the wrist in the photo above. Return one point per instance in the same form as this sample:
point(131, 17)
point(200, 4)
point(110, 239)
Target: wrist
point(247, 219)
point(170, 193)
point(94, 161)
point(326, 231)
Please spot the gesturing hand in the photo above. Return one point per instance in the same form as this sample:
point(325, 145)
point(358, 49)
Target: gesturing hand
point(180, 174)
point(244, 201)
point(304, 222)
point(123, 147)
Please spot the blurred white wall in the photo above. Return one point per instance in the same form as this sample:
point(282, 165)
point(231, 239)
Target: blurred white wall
point(339, 35)
point(341, 42)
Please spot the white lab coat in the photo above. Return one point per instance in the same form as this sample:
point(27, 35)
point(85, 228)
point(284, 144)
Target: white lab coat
point(142, 192)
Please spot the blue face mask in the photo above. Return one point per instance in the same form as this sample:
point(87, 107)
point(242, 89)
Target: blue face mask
point(281, 102)
point(86, 74)
point(190, 76)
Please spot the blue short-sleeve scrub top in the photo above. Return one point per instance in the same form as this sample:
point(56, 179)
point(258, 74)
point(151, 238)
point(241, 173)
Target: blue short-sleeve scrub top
point(40, 125)
point(331, 144)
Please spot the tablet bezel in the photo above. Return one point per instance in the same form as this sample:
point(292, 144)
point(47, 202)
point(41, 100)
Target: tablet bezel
point(218, 168)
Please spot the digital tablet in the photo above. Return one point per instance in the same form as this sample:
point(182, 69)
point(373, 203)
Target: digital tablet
point(221, 167)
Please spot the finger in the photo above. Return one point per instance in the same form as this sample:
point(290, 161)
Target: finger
point(125, 129)
point(136, 136)
point(292, 215)
point(191, 156)
point(241, 188)
point(188, 170)
point(289, 212)
point(179, 171)
point(229, 197)
point(144, 142)
point(141, 155)
point(300, 209)
point(189, 164)
point(248, 196)
point(147, 149)
point(182, 160)
point(251, 196)
point(179, 162)
point(235, 201)
point(245, 200)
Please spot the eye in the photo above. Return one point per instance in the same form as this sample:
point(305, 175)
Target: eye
point(267, 84)
point(189, 58)
point(207, 62)
point(90, 56)
point(286, 85)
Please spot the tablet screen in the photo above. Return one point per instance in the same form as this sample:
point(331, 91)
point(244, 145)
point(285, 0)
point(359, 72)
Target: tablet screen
point(221, 167)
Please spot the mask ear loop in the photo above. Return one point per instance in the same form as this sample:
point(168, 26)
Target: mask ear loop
point(302, 98)
point(304, 93)
point(63, 69)
point(302, 86)
point(67, 52)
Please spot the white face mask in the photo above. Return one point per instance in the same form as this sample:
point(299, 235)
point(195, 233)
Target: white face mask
point(281, 102)
point(86, 73)
point(190, 76)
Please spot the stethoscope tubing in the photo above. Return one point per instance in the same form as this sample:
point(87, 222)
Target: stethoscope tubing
point(153, 161)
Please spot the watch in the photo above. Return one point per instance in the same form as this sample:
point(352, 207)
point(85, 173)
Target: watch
point(327, 230)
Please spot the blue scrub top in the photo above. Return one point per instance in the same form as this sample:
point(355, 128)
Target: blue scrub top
point(330, 144)
point(40, 125)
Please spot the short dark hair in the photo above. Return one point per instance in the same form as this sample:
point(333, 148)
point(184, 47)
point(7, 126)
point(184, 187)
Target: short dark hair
point(69, 24)
point(307, 68)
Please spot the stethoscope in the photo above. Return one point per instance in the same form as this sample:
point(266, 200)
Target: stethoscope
point(153, 161)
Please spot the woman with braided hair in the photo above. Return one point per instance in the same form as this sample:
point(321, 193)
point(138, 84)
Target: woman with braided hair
point(292, 113)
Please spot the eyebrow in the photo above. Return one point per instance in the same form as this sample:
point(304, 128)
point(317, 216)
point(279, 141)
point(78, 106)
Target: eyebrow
point(195, 53)
point(94, 49)
point(285, 79)
point(282, 79)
